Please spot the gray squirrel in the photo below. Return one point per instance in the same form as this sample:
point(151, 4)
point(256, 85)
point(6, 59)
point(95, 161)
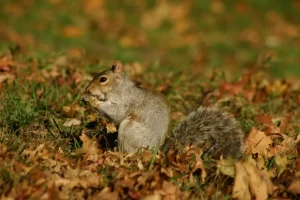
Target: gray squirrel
point(143, 118)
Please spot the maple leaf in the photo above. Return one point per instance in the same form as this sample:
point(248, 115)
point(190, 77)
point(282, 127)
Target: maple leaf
point(257, 142)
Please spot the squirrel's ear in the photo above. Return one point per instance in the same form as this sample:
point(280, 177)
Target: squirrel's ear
point(117, 67)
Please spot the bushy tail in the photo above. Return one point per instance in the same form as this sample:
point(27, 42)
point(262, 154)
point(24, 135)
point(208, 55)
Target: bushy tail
point(212, 128)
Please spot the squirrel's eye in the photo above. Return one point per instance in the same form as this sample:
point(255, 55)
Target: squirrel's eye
point(103, 79)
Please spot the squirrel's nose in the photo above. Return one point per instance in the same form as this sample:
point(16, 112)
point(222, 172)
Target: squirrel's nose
point(87, 90)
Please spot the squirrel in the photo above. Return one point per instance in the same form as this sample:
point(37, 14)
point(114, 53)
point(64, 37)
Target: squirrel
point(143, 118)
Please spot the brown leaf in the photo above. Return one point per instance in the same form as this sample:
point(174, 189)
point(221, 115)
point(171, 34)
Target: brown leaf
point(264, 119)
point(257, 142)
point(258, 183)
point(111, 127)
point(250, 177)
point(294, 187)
point(6, 76)
point(89, 146)
point(287, 146)
point(241, 183)
point(198, 164)
point(39, 152)
point(152, 197)
point(284, 123)
point(298, 155)
point(72, 31)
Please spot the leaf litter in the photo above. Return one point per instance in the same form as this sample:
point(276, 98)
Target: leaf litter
point(269, 168)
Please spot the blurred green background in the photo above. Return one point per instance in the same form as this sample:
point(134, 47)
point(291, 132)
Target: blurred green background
point(195, 35)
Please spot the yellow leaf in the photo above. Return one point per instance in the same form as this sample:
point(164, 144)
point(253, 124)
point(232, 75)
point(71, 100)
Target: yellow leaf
point(72, 31)
point(281, 162)
point(226, 167)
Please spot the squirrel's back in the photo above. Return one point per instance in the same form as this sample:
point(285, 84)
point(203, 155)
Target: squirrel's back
point(212, 128)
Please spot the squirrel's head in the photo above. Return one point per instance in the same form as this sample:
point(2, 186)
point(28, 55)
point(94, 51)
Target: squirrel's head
point(105, 81)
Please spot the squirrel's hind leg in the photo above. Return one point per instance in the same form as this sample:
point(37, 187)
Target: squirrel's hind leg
point(133, 135)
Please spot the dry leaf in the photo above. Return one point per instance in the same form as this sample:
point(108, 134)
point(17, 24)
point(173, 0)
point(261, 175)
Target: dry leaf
point(111, 127)
point(281, 162)
point(294, 187)
point(72, 31)
point(298, 156)
point(89, 146)
point(152, 197)
point(72, 122)
point(154, 18)
point(257, 142)
point(226, 166)
point(6, 76)
point(198, 164)
point(241, 183)
point(250, 177)
point(287, 146)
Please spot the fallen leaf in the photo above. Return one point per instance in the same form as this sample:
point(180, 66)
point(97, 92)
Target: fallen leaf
point(294, 187)
point(257, 142)
point(89, 146)
point(111, 127)
point(250, 177)
point(298, 156)
point(226, 166)
point(72, 31)
point(6, 76)
point(152, 197)
point(241, 183)
point(72, 122)
point(281, 162)
point(286, 146)
point(278, 87)
point(198, 164)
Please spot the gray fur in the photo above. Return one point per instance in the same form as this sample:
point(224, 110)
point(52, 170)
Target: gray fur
point(143, 118)
point(209, 125)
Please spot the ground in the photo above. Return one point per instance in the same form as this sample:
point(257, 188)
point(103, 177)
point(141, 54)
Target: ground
point(241, 56)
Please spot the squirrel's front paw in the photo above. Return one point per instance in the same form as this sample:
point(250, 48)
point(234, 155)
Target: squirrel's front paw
point(85, 99)
point(92, 100)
